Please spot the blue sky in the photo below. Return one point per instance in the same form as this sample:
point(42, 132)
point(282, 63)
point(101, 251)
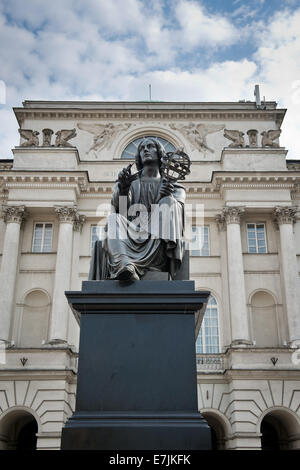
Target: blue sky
point(189, 50)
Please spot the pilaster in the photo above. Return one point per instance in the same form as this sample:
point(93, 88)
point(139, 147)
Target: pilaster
point(284, 218)
point(60, 310)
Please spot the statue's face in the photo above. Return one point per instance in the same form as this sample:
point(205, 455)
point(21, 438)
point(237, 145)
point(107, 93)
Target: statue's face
point(148, 152)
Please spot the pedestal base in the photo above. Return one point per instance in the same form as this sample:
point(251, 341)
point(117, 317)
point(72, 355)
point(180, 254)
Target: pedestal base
point(136, 431)
point(137, 386)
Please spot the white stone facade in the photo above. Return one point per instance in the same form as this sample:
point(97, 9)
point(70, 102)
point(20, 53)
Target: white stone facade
point(256, 374)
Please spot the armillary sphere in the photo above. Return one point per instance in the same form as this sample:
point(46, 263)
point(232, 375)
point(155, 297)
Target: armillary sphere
point(175, 165)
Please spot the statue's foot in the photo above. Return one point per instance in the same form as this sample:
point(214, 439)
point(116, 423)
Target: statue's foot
point(128, 274)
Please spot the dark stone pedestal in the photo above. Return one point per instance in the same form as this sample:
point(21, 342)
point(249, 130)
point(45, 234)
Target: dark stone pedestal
point(137, 370)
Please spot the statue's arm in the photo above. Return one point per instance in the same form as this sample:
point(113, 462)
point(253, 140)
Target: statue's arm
point(179, 193)
point(117, 194)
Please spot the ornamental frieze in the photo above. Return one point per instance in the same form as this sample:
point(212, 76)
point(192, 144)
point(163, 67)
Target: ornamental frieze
point(196, 134)
point(103, 134)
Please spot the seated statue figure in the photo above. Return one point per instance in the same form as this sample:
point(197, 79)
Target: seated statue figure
point(145, 230)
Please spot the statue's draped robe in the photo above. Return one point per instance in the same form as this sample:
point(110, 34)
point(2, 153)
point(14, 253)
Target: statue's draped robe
point(143, 231)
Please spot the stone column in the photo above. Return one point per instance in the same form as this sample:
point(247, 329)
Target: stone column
point(237, 296)
point(13, 216)
point(285, 218)
point(60, 307)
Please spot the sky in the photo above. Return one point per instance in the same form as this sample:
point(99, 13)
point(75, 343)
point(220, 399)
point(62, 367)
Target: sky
point(189, 50)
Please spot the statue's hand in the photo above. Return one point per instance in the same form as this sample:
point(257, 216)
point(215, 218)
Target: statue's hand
point(124, 180)
point(166, 189)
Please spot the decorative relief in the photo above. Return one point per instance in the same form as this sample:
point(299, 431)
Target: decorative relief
point(78, 222)
point(236, 137)
point(238, 140)
point(47, 135)
point(252, 135)
point(103, 134)
point(268, 138)
point(16, 214)
point(61, 140)
point(285, 215)
point(31, 138)
point(63, 136)
point(66, 214)
point(196, 134)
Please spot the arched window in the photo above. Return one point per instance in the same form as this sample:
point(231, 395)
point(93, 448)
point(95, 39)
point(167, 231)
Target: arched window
point(208, 338)
point(264, 321)
point(131, 149)
point(35, 318)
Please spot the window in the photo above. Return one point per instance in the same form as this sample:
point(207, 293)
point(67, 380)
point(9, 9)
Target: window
point(97, 233)
point(256, 238)
point(199, 245)
point(131, 149)
point(42, 238)
point(208, 337)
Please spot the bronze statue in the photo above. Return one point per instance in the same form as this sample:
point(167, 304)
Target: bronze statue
point(145, 230)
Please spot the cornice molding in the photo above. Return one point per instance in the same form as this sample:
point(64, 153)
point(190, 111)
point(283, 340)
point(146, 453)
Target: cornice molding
point(150, 113)
point(196, 189)
point(248, 151)
point(4, 166)
point(232, 181)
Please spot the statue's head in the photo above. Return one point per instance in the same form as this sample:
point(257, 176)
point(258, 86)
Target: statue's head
point(148, 152)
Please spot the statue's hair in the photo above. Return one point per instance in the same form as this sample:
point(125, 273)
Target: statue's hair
point(160, 152)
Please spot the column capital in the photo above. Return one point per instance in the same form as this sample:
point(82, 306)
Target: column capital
point(78, 222)
point(284, 214)
point(16, 214)
point(229, 215)
point(66, 214)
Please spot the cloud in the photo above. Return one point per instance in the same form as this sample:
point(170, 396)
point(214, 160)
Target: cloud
point(112, 50)
point(278, 58)
point(211, 84)
point(201, 28)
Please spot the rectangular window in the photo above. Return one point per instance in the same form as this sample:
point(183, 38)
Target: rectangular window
point(97, 233)
point(208, 338)
point(42, 237)
point(199, 245)
point(256, 238)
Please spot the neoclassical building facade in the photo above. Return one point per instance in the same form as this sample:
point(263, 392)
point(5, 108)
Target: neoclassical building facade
point(55, 194)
